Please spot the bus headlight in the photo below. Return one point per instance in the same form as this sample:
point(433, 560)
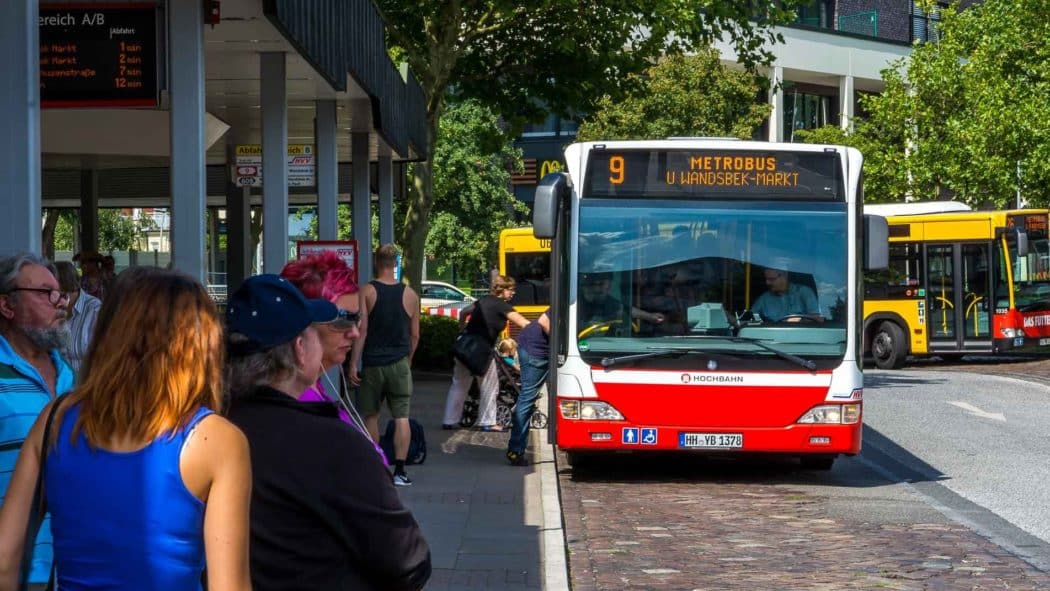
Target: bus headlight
point(832, 414)
point(589, 410)
point(1012, 333)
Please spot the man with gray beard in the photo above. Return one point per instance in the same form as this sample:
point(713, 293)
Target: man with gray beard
point(33, 331)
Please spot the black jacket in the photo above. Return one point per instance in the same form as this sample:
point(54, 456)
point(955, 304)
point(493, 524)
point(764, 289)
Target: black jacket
point(325, 513)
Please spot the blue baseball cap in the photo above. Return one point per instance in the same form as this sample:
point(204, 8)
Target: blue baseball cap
point(270, 311)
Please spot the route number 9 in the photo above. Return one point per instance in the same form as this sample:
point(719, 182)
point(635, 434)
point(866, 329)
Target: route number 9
point(616, 170)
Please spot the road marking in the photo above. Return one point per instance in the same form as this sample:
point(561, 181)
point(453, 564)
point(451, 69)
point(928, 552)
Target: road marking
point(995, 416)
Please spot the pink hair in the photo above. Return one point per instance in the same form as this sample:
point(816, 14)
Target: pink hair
point(324, 275)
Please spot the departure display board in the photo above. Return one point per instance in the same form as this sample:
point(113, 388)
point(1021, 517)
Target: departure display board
point(98, 55)
point(745, 174)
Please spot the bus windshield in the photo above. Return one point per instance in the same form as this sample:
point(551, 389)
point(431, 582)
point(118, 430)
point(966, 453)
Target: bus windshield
point(1031, 273)
point(653, 274)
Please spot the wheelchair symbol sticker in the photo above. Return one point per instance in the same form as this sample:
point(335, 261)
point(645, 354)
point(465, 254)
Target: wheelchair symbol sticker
point(649, 436)
point(630, 435)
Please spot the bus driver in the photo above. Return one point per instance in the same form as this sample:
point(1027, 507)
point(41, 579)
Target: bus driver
point(785, 301)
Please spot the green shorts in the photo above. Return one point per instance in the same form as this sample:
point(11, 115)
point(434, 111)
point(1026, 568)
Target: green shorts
point(392, 382)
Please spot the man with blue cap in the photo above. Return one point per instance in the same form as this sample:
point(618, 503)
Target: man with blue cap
point(324, 512)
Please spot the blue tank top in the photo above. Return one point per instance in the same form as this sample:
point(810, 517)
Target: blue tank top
point(124, 520)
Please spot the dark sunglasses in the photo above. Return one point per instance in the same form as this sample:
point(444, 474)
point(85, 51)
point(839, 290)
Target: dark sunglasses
point(345, 320)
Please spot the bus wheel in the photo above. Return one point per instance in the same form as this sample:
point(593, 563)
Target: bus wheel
point(888, 347)
point(816, 462)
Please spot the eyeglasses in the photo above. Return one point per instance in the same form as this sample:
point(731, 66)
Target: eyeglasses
point(54, 296)
point(345, 320)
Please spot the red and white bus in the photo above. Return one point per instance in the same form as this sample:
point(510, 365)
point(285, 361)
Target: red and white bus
point(662, 251)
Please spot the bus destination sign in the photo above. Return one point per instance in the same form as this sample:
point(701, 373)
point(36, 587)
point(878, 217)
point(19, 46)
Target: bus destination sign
point(98, 55)
point(711, 173)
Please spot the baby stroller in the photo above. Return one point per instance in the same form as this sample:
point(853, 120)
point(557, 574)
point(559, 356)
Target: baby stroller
point(509, 390)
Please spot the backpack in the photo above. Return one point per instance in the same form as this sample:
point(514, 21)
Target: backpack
point(417, 445)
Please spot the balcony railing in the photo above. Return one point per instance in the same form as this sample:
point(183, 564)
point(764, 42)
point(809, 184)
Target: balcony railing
point(862, 23)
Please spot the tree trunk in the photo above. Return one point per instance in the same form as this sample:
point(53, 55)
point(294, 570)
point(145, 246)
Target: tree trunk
point(47, 234)
point(413, 238)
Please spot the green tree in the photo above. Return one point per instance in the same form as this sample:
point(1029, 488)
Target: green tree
point(471, 190)
point(525, 58)
point(966, 113)
point(693, 95)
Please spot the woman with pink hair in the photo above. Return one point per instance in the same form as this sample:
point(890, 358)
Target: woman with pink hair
point(327, 276)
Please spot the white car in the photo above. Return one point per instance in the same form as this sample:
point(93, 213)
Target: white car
point(439, 293)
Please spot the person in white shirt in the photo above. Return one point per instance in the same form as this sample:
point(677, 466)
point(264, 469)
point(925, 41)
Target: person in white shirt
point(82, 311)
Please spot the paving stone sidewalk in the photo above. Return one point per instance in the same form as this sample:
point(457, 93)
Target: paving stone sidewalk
point(725, 531)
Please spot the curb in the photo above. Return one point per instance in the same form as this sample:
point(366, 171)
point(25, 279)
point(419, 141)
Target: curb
point(555, 561)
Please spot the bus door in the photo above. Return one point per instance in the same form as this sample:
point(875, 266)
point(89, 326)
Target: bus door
point(958, 305)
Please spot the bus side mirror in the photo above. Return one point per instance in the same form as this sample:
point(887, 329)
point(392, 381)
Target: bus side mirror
point(876, 243)
point(1016, 240)
point(552, 189)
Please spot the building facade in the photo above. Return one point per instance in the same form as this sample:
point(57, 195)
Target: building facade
point(834, 52)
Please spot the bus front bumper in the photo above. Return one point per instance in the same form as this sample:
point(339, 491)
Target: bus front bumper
point(581, 435)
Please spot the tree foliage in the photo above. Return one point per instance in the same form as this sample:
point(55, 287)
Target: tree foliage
point(526, 58)
point(963, 114)
point(471, 190)
point(116, 231)
point(693, 95)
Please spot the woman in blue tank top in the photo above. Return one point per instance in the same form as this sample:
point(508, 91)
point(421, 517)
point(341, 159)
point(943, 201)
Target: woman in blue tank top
point(145, 484)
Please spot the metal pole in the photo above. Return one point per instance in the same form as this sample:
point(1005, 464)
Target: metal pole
point(327, 171)
point(385, 182)
point(20, 127)
point(275, 161)
point(188, 179)
point(361, 212)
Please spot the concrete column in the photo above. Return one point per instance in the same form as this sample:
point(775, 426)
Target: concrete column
point(274, 161)
point(20, 128)
point(238, 235)
point(361, 197)
point(847, 99)
point(776, 100)
point(325, 127)
point(89, 210)
point(213, 244)
point(385, 184)
point(188, 176)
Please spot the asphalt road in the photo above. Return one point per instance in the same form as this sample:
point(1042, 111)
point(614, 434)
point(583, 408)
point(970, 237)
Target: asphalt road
point(976, 446)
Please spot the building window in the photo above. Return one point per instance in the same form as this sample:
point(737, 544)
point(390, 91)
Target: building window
point(925, 25)
point(806, 111)
point(816, 14)
point(552, 126)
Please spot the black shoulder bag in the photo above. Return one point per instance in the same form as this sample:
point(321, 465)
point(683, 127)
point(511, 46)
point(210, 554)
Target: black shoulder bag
point(472, 350)
point(39, 507)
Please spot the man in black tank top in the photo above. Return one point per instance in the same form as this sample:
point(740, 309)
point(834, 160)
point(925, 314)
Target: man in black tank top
point(389, 335)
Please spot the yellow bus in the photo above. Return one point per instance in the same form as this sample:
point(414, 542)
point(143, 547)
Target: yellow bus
point(526, 259)
point(960, 282)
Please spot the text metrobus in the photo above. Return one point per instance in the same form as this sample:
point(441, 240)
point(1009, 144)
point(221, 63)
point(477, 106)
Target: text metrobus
point(660, 249)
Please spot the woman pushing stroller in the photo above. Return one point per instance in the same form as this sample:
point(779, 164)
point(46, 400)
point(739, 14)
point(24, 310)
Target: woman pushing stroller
point(487, 318)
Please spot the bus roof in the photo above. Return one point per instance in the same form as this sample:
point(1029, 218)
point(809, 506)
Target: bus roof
point(915, 208)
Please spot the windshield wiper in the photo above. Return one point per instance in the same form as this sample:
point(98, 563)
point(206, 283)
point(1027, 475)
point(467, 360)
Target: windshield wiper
point(611, 361)
point(806, 363)
point(800, 361)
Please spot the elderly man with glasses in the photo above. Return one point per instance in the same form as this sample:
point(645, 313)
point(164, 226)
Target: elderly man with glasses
point(33, 331)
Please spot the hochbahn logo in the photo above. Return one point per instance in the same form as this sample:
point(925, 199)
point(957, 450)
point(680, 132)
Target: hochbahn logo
point(701, 378)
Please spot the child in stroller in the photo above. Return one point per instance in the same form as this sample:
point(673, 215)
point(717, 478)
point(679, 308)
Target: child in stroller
point(509, 373)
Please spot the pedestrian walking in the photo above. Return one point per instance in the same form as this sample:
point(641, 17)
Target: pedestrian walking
point(33, 333)
point(145, 484)
point(325, 513)
point(327, 276)
point(533, 357)
point(82, 313)
point(489, 315)
point(389, 335)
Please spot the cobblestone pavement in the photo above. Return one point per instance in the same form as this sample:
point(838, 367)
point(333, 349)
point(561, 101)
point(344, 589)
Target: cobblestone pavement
point(637, 524)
